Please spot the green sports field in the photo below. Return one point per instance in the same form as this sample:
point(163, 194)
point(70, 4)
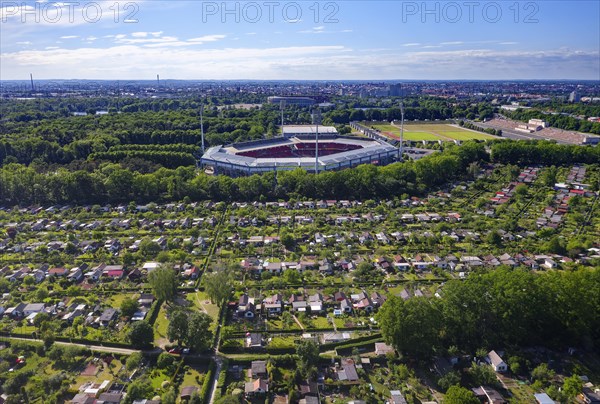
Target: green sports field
point(428, 131)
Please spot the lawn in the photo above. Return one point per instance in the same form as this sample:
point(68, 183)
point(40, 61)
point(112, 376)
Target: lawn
point(321, 322)
point(161, 324)
point(158, 378)
point(277, 324)
point(467, 135)
point(431, 132)
point(202, 302)
point(116, 299)
point(189, 379)
point(282, 342)
point(104, 372)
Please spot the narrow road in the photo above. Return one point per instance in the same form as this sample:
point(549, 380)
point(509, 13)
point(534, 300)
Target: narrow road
point(332, 322)
point(215, 380)
point(96, 348)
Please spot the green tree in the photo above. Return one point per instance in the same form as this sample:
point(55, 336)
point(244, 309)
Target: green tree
point(286, 320)
point(141, 334)
point(164, 360)
point(542, 373)
point(163, 281)
point(138, 389)
point(291, 277)
point(218, 286)
point(308, 356)
point(572, 386)
point(411, 326)
point(40, 318)
point(148, 248)
point(191, 328)
point(228, 399)
point(177, 331)
point(133, 361)
point(460, 395)
point(170, 397)
point(288, 240)
point(450, 379)
point(482, 374)
point(494, 238)
point(129, 307)
point(199, 334)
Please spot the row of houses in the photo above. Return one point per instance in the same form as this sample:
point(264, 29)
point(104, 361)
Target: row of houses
point(419, 263)
point(555, 212)
point(98, 273)
point(527, 176)
point(249, 307)
point(95, 316)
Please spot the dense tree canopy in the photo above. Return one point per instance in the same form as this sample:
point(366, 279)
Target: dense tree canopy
point(498, 308)
point(141, 334)
point(164, 283)
point(190, 328)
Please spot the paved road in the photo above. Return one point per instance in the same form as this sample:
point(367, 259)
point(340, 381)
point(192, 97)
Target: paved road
point(96, 348)
point(215, 380)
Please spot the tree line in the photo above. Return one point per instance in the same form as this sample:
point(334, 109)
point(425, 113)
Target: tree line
point(116, 183)
point(470, 125)
point(500, 308)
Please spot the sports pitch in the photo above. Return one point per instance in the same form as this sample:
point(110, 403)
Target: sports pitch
point(429, 131)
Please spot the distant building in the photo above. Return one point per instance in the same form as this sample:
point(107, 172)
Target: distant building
point(395, 90)
point(538, 122)
point(496, 362)
point(301, 101)
point(574, 96)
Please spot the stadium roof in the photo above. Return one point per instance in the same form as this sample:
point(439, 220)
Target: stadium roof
point(308, 129)
point(370, 150)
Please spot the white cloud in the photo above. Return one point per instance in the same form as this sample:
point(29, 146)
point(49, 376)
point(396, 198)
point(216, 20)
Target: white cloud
point(135, 61)
point(139, 34)
point(207, 38)
point(412, 44)
point(69, 36)
point(321, 30)
point(452, 43)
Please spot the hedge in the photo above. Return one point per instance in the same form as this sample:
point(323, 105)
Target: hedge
point(207, 385)
point(222, 379)
point(333, 345)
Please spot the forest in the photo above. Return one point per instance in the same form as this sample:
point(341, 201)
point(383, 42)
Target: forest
point(114, 183)
point(503, 307)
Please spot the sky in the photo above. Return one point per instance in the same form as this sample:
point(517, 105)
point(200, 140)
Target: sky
point(300, 40)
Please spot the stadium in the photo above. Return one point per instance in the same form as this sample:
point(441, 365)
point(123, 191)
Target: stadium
point(298, 150)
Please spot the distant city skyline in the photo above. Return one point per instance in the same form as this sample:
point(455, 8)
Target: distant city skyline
point(300, 40)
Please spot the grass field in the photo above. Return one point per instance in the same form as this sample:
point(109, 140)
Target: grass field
point(429, 132)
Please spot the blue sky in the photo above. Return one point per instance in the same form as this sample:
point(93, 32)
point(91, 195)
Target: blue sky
point(275, 39)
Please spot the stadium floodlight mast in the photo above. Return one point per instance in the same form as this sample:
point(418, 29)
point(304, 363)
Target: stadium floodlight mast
point(202, 124)
point(281, 107)
point(400, 150)
point(316, 118)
